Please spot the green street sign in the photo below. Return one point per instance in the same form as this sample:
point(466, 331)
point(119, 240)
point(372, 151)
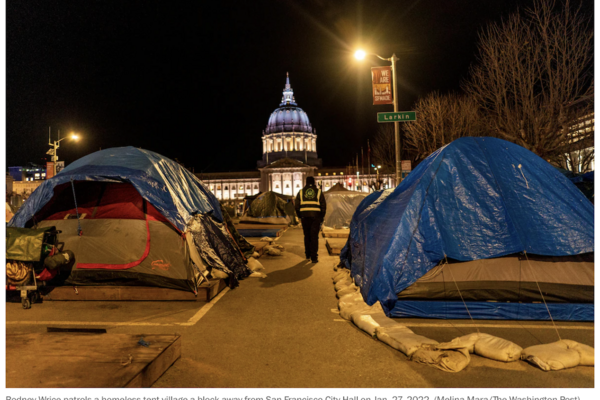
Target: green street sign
point(400, 116)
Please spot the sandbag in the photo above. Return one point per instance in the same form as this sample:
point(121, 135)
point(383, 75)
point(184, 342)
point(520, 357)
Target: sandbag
point(341, 275)
point(365, 318)
point(348, 290)
point(278, 247)
point(403, 339)
point(266, 239)
point(552, 356)
point(343, 283)
point(485, 345)
point(497, 348)
point(447, 360)
point(258, 275)
point(272, 251)
point(586, 353)
point(559, 355)
point(350, 308)
point(218, 274)
point(254, 265)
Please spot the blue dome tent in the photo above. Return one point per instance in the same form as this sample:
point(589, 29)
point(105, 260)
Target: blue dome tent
point(134, 217)
point(480, 220)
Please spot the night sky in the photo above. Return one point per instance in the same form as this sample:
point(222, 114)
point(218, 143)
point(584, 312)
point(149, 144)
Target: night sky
point(198, 80)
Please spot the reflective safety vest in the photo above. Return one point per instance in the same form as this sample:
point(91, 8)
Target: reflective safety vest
point(309, 199)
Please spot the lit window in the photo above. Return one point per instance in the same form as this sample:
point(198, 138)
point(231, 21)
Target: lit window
point(319, 174)
point(341, 173)
point(241, 187)
point(334, 174)
point(326, 173)
point(226, 188)
point(327, 184)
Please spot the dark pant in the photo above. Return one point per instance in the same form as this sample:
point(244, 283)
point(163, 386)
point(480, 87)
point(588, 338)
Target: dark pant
point(311, 226)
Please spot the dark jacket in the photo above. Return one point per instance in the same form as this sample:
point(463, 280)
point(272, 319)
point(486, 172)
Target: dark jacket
point(310, 202)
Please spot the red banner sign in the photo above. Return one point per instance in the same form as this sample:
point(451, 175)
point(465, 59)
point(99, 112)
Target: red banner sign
point(49, 169)
point(382, 85)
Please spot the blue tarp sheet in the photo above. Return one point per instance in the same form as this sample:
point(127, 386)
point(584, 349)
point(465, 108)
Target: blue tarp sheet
point(472, 199)
point(172, 189)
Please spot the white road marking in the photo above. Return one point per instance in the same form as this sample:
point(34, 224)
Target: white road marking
point(202, 311)
point(192, 321)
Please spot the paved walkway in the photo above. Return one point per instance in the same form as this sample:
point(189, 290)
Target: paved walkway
point(284, 331)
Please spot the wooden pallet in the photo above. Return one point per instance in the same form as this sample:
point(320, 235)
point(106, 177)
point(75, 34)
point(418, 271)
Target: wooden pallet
point(206, 292)
point(84, 360)
point(336, 233)
point(335, 246)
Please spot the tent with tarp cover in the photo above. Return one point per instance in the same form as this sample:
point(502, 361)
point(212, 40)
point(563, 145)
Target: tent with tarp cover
point(269, 208)
point(341, 204)
point(134, 217)
point(481, 227)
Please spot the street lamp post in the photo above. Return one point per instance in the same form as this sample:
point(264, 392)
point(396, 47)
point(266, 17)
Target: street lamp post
point(55, 145)
point(360, 54)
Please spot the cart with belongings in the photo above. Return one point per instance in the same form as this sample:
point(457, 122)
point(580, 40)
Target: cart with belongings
point(32, 258)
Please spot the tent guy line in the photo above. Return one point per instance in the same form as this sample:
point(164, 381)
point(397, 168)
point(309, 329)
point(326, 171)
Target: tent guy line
point(191, 322)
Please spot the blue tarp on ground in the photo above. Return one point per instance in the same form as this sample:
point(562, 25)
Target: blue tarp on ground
point(472, 199)
point(173, 190)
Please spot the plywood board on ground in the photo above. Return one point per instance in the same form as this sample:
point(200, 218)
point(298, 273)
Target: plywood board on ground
point(336, 233)
point(259, 246)
point(206, 292)
point(261, 230)
point(84, 360)
point(335, 246)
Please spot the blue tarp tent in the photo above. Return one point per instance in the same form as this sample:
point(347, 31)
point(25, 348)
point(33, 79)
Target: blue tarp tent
point(173, 190)
point(476, 198)
point(133, 217)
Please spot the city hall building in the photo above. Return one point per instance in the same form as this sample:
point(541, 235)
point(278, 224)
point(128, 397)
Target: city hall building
point(289, 155)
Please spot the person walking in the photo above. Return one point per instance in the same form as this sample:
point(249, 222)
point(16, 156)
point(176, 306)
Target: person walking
point(311, 207)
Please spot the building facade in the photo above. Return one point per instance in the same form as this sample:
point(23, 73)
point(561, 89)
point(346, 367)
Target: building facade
point(289, 156)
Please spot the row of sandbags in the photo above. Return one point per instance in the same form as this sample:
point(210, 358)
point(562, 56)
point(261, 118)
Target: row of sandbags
point(455, 355)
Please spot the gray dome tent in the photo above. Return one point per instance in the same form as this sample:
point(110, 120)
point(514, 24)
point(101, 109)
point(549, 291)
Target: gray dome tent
point(341, 204)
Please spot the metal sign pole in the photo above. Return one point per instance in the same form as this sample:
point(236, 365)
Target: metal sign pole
point(396, 123)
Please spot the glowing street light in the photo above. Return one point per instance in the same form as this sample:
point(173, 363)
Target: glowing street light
point(360, 55)
point(56, 144)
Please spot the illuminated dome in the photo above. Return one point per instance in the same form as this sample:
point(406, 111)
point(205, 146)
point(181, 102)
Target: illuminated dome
point(289, 133)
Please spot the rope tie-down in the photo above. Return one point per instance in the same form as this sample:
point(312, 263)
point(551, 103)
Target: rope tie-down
point(79, 230)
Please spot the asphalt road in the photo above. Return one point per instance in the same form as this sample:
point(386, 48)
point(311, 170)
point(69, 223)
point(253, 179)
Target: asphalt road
point(283, 331)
